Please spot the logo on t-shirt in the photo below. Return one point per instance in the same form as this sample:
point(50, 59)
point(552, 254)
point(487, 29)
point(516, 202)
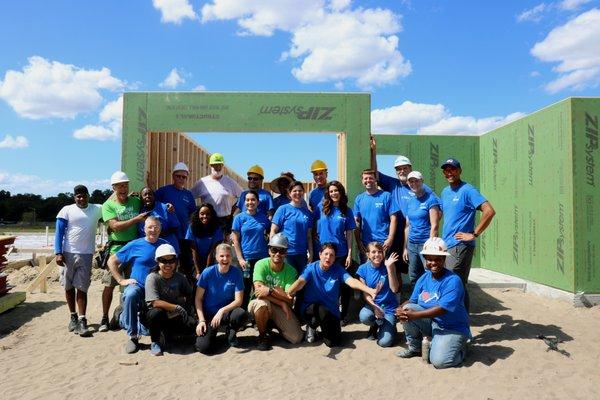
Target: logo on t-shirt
point(427, 297)
point(378, 205)
point(455, 199)
point(230, 283)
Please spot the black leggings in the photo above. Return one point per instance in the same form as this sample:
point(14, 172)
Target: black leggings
point(234, 319)
point(317, 315)
point(157, 321)
point(248, 284)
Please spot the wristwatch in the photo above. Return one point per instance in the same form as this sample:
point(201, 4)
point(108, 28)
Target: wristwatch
point(475, 234)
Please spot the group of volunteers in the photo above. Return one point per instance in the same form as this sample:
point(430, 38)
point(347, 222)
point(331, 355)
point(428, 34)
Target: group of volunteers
point(242, 256)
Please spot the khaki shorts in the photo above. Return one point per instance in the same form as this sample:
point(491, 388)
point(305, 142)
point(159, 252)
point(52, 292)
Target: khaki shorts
point(289, 328)
point(109, 281)
point(77, 271)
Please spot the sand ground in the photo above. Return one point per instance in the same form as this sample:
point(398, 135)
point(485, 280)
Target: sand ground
point(39, 359)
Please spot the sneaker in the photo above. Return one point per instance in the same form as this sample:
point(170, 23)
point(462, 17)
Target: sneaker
point(263, 343)
point(131, 346)
point(82, 328)
point(232, 338)
point(311, 335)
point(72, 323)
point(103, 325)
point(345, 321)
point(372, 334)
point(155, 349)
point(408, 353)
point(114, 324)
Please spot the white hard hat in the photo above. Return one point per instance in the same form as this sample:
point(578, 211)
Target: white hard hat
point(401, 160)
point(164, 250)
point(279, 240)
point(118, 177)
point(180, 166)
point(416, 175)
point(435, 246)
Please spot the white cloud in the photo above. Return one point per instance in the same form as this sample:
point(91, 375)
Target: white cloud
point(24, 183)
point(110, 124)
point(533, 14)
point(575, 46)
point(174, 11)
point(50, 89)
point(199, 88)
point(410, 117)
point(572, 4)
point(172, 80)
point(10, 142)
point(534, 74)
point(330, 41)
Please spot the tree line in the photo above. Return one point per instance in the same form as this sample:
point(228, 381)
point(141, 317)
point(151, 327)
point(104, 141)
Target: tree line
point(33, 208)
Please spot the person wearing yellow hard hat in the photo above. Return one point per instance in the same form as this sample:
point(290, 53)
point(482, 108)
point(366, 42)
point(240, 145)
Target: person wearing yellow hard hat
point(219, 190)
point(319, 171)
point(256, 176)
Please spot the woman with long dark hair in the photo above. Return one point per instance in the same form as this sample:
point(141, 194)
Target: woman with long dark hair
point(205, 234)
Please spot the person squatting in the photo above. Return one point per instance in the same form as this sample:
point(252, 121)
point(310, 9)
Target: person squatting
point(243, 258)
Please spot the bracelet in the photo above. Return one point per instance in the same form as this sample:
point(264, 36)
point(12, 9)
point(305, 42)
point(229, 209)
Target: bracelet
point(475, 234)
point(202, 321)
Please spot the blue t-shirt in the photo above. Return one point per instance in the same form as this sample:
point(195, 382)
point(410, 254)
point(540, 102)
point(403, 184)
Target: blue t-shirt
point(374, 211)
point(400, 192)
point(315, 197)
point(280, 201)
point(182, 200)
point(265, 201)
point(371, 275)
point(294, 223)
point(219, 289)
point(447, 292)
point(204, 243)
point(332, 228)
point(168, 221)
point(459, 206)
point(417, 213)
point(253, 230)
point(140, 254)
point(323, 287)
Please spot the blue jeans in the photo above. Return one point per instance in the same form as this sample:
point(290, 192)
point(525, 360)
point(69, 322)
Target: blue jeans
point(448, 348)
point(133, 302)
point(298, 261)
point(387, 331)
point(415, 262)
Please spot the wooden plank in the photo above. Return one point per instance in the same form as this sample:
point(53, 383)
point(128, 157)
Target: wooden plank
point(11, 300)
point(46, 270)
point(341, 158)
point(161, 159)
point(152, 159)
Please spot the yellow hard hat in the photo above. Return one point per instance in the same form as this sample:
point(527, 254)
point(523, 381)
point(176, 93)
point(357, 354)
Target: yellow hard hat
point(256, 169)
point(318, 165)
point(216, 158)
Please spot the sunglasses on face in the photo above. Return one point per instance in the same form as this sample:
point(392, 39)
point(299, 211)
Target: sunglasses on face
point(254, 178)
point(170, 261)
point(278, 250)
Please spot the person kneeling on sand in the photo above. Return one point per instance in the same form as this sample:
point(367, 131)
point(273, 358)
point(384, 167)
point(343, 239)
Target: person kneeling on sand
point(139, 253)
point(272, 276)
point(321, 281)
point(219, 298)
point(436, 311)
point(167, 292)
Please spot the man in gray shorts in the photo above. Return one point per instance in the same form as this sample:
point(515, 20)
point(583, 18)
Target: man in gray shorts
point(74, 243)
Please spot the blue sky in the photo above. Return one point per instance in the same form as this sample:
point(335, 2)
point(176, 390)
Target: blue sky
point(431, 66)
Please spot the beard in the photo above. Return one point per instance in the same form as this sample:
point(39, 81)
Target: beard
point(216, 174)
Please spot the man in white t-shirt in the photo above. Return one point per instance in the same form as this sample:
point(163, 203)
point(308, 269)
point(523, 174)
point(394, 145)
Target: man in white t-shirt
point(74, 245)
point(219, 190)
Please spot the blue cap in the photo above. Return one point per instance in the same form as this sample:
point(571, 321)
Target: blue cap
point(452, 162)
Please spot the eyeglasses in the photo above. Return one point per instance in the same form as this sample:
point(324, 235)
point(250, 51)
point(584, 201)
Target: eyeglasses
point(278, 250)
point(254, 178)
point(180, 176)
point(170, 261)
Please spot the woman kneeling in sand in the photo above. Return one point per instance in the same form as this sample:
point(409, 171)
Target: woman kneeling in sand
point(436, 311)
point(218, 301)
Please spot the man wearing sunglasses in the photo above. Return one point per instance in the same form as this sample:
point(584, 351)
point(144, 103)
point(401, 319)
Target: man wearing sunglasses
point(272, 277)
point(184, 204)
point(167, 293)
point(256, 175)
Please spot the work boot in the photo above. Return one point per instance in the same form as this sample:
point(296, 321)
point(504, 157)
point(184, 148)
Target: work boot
point(82, 328)
point(72, 322)
point(103, 324)
point(131, 346)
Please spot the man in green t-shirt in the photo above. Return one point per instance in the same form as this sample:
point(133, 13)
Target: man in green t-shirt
point(121, 213)
point(271, 278)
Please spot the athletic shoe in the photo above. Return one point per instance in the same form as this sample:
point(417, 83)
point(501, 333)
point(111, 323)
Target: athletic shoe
point(103, 325)
point(82, 328)
point(263, 343)
point(155, 349)
point(311, 335)
point(114, 324)
point(232, 338)
point(131, 346)
point(372, 334)
point(408, 353)
point(72, 323)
